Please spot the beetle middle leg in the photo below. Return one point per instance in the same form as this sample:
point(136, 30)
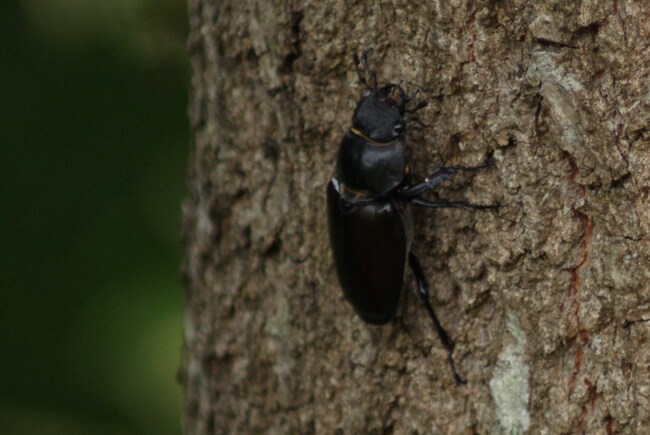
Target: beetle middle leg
point(423, 291)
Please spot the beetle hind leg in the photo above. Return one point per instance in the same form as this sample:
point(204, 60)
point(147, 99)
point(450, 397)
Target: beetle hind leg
point(423, 291)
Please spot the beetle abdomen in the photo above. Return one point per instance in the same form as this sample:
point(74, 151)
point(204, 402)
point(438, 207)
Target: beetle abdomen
point(369, 246)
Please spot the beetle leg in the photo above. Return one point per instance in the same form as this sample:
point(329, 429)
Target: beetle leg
point(418, 121)
point(433, 180)
point(423, 291)
point(420, 202)
point(421, 105)
point(412, 96)
point(438, 176)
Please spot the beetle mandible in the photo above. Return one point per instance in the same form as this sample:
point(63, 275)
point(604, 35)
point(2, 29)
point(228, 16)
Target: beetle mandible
point(368, 202)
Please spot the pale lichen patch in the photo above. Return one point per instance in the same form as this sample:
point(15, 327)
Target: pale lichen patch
point(509, 385)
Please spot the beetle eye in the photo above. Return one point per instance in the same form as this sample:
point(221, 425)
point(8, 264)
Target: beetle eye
point(398, 129)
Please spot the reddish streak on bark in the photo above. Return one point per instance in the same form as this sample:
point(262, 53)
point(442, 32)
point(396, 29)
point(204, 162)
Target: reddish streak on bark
point(591, 401)
point(588, 229)
point(583, 336)
point(576, 370)
point(608, 425)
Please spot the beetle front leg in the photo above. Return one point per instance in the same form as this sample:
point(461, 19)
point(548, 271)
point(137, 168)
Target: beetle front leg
point(420, 202)
point(438, 176)
point(420, 105)
point(423, 291)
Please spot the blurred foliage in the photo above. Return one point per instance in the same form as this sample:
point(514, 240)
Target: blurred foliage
point(93, 151)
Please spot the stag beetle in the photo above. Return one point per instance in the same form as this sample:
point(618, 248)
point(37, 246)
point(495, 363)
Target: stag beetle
point(368, 202)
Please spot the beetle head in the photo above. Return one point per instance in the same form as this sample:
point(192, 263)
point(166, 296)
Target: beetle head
point(379, 114)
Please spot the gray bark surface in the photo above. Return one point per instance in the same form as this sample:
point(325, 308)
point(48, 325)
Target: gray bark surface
point(547, 299)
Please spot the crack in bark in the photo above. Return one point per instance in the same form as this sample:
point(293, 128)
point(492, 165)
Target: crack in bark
point(294, 41)
point(617, 143)
point(554, 44)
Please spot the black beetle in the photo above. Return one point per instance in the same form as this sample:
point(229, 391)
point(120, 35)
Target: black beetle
point(368, 203)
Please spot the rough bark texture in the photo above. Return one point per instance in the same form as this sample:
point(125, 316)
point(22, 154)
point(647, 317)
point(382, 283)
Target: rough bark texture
point(548, 300)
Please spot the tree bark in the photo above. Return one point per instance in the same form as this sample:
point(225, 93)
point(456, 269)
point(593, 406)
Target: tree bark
point(547, 300)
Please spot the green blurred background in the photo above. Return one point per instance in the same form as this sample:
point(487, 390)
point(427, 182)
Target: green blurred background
point(93, 146)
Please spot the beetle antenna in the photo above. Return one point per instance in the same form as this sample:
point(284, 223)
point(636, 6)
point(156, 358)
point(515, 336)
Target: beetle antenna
point(364, 59)
point(357, 67)
point(361, 72)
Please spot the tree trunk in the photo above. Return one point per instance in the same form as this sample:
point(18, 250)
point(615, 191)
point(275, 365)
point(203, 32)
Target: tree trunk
point(547, 299)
